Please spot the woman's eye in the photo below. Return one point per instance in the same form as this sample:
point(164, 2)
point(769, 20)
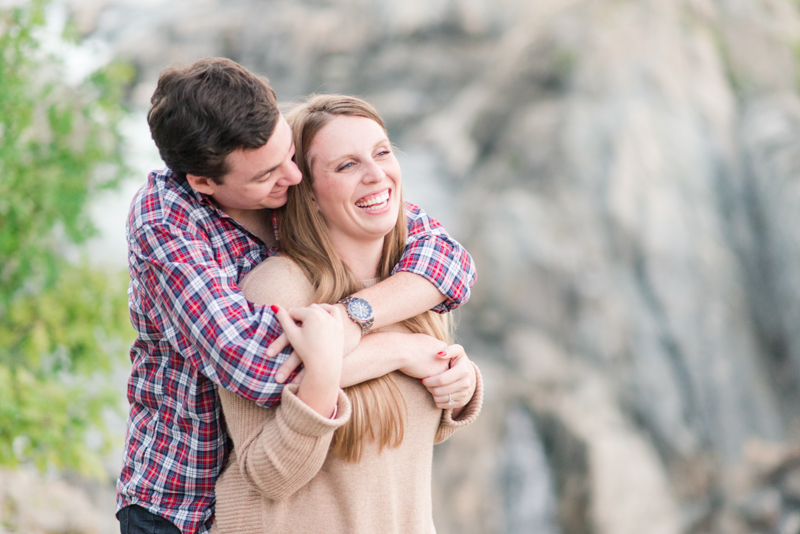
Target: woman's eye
point(345, 167)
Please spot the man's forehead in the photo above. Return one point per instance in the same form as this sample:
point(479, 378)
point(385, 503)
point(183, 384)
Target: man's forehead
point(280, 142)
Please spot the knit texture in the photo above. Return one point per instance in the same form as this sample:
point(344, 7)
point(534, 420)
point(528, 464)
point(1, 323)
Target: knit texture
point(282, 478)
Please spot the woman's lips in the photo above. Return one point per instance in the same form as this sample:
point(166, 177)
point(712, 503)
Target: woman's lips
point(375, 201)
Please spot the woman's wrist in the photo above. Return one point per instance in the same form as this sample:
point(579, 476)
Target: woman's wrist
point(319, 390)
point(471, 392)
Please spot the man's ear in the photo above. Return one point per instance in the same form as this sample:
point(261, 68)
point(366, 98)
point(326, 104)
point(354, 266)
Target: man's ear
point(201, 184)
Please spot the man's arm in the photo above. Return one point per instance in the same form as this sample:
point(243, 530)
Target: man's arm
point(413, 354)
point(435, 256)
point(201, 312)
point(435, 272)
point(447, 371)
point(399, 297)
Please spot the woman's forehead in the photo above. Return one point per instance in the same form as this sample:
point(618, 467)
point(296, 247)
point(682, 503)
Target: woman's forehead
point(346, 133)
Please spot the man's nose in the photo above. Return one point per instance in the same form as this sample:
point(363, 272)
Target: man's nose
point(292, 174)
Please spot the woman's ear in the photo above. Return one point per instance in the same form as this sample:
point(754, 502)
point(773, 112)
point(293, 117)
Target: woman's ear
point(313, 197)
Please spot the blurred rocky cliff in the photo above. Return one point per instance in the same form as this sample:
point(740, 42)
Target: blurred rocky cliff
point(625, 173)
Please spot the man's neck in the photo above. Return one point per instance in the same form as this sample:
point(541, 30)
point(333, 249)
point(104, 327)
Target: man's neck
point(258, 222)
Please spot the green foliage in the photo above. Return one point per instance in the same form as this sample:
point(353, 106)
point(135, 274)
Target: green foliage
point(61, 321)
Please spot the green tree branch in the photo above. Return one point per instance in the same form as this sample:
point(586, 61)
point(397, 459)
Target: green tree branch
point(59, 145)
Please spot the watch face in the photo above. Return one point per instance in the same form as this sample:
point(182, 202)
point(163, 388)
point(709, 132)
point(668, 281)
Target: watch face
point(360, 309)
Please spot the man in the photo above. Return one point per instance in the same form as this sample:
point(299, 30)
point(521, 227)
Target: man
point(194, 231)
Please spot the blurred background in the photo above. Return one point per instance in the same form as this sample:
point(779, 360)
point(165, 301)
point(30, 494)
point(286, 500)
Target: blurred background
point(626, 174)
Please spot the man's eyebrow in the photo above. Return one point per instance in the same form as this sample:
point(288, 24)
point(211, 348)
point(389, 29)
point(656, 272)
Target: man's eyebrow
point(266, 172)
point(259, 175)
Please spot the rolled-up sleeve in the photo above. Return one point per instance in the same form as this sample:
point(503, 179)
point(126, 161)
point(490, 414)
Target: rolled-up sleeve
point(431, 253)
point(200, 311)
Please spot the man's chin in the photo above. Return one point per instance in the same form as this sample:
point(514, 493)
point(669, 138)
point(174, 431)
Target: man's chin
point(274, 203)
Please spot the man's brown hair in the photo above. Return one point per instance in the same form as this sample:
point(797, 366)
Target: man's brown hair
point(202, 112)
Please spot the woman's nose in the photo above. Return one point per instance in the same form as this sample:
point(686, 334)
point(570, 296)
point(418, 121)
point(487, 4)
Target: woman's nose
point(374, 172)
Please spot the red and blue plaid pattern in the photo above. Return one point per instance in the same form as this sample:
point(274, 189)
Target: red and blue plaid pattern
point(195, 330)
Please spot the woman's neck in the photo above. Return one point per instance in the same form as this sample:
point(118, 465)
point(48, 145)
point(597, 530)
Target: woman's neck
point(362, 257)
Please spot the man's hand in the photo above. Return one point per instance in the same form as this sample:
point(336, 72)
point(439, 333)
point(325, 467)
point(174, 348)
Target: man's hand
point(352, 335)
point(453, 388)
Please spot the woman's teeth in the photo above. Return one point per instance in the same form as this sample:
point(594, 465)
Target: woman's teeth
point(374, 202)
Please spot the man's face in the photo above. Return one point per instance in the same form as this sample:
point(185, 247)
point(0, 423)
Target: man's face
point(258, 178)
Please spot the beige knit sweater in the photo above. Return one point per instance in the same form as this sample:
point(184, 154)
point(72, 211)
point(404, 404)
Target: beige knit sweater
point(281, 478)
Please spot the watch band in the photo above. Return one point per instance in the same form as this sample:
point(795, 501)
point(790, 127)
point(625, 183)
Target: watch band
point(366, 317)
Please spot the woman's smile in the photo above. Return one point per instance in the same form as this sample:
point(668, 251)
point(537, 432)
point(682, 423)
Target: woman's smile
point(375, 203)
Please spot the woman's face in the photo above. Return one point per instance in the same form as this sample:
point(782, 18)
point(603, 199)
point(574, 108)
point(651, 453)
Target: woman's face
point(356, 179)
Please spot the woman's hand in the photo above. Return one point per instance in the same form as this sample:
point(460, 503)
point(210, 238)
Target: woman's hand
point(351, 336)
point(315, 333)
point(421, 359)
point(453, 388)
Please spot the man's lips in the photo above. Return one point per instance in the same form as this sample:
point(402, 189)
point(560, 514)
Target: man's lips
point(278, 193)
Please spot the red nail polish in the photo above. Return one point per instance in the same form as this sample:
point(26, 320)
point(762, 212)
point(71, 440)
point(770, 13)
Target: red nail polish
point(442, 353)
point(274, 308)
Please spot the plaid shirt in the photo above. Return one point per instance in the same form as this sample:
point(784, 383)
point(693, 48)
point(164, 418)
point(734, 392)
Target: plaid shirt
point(195, 330)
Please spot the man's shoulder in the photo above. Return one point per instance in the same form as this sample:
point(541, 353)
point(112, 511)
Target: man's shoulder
point(165, 199)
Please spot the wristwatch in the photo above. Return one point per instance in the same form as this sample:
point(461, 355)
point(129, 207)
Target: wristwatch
point(360, 311)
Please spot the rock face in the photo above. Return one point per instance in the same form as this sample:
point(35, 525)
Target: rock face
point(625, 175)
point(35, 504)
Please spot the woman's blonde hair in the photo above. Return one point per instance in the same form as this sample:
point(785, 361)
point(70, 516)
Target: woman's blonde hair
point(379, 410)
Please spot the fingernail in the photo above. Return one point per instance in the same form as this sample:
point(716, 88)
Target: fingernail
point(420, 380)
point(280, 377)
point(442, 353)
point(274, 308)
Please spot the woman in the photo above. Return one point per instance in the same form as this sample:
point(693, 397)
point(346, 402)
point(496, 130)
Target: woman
point(325, 460)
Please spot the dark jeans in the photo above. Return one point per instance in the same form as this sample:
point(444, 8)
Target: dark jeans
point(134, 519)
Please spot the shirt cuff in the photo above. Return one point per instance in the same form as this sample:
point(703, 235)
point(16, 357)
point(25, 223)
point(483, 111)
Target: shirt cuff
point(435, 258)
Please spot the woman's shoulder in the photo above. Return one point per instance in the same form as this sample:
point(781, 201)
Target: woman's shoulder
point(279, 266)
point(278, 280)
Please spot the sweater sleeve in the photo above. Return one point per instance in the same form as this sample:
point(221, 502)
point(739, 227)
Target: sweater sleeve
point(448, 425)
point(279, 450)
